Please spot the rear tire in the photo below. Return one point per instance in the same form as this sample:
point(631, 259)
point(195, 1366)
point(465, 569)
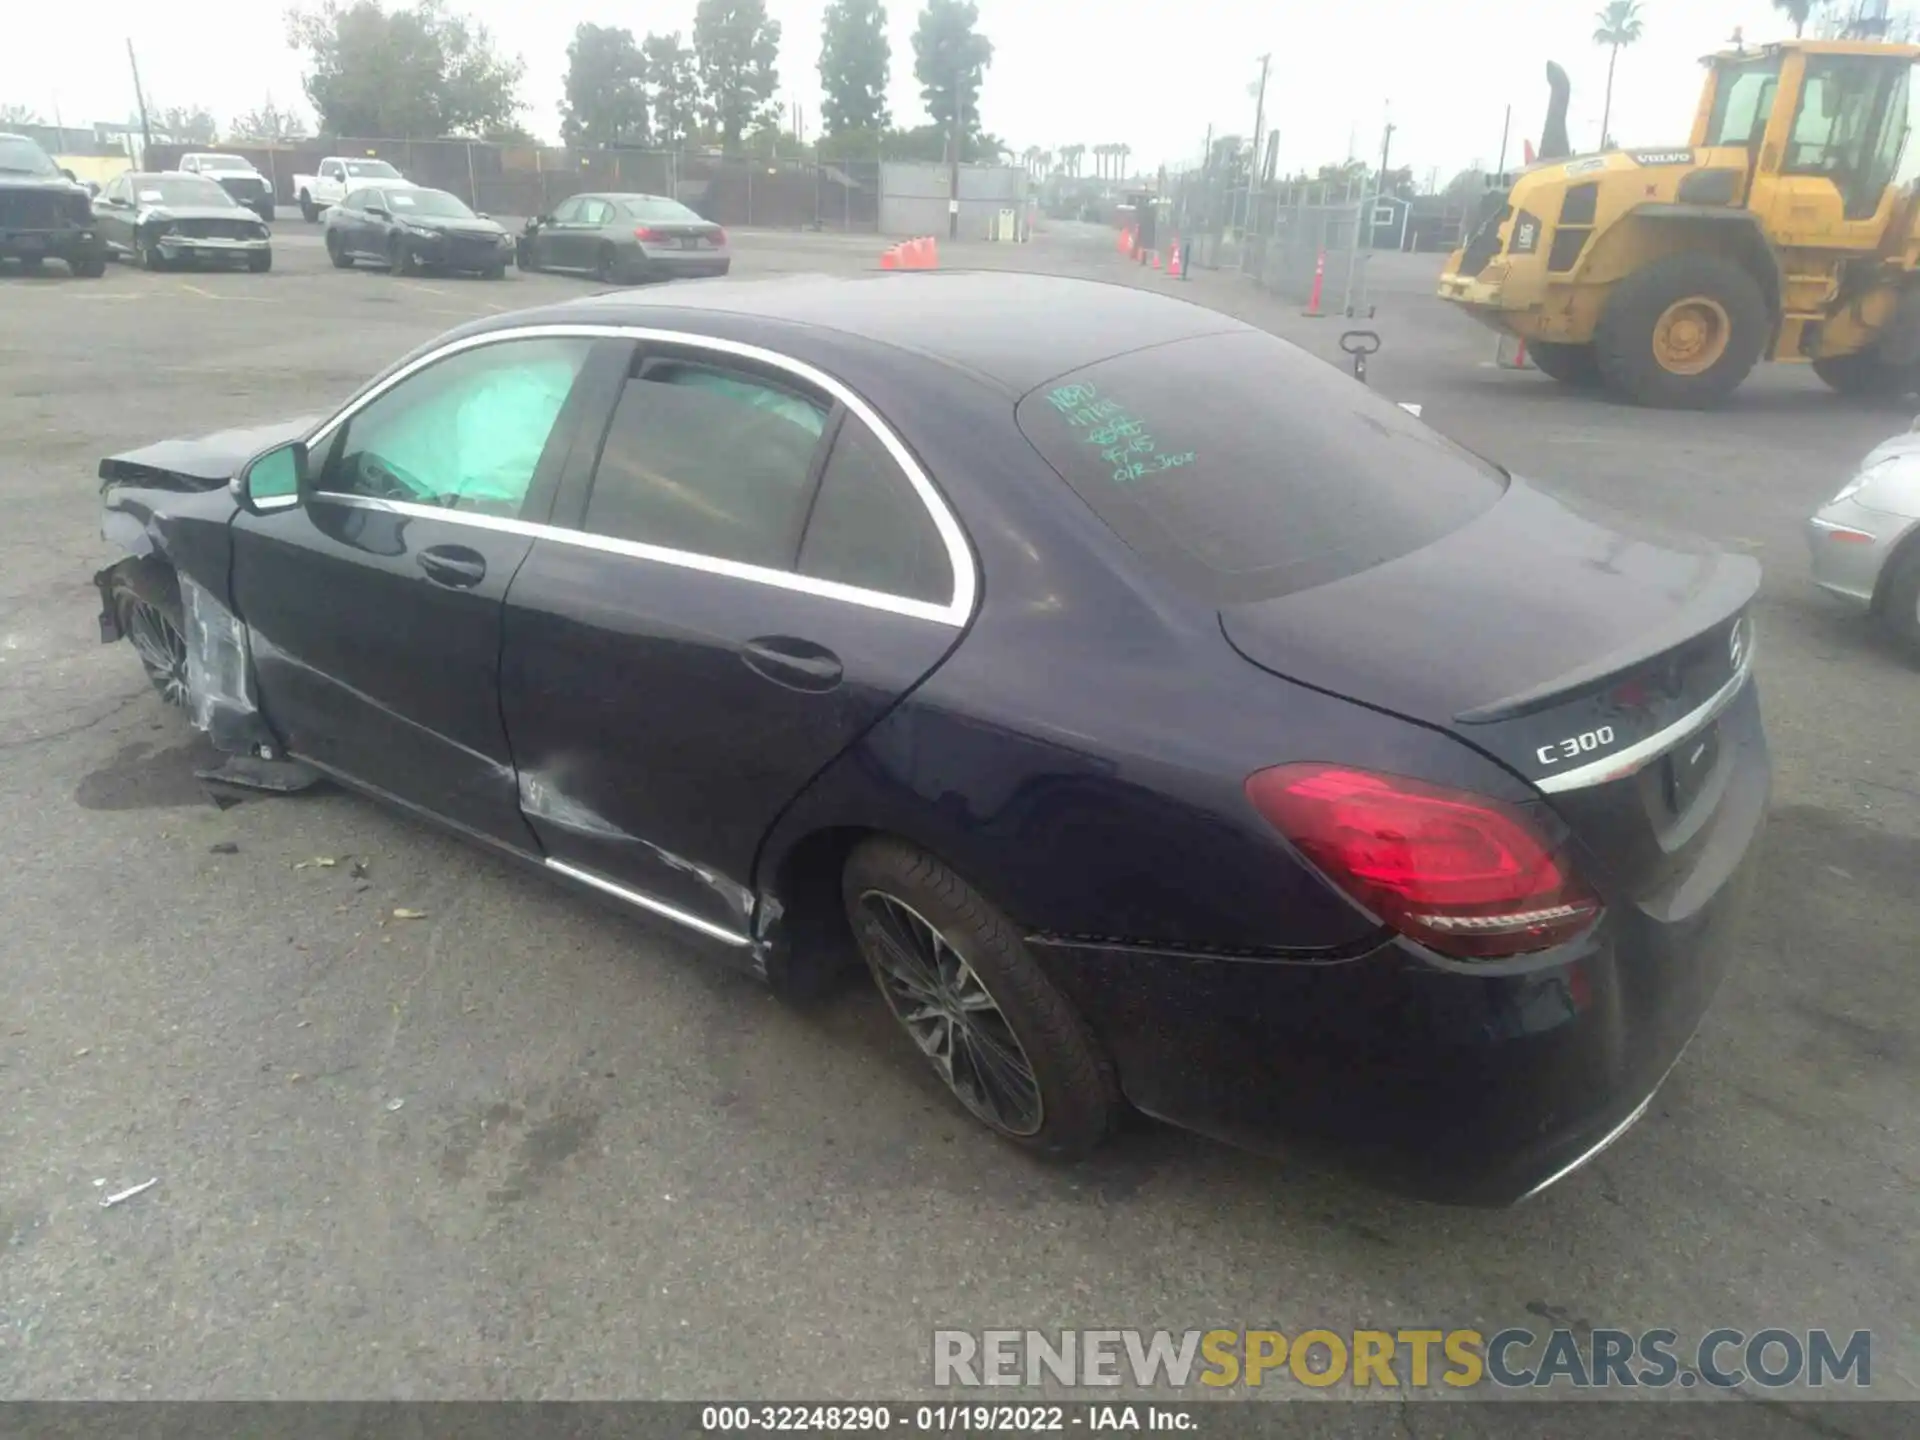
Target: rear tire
point(1682, 332)
point(961, 982)
point(1569, 364)
point(1898, 607)
point(152, 620)
point(91, 268)
point(523, 256)
point(309, 211)
point(260, 264)
point(1865, 376)
point(494, 272)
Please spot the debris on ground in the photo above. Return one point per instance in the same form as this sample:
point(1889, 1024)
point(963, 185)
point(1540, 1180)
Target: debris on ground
point(358, 870)
point(395, 1103)
point(223, 847)
point(409, 914)
point(319, 862)
point(128, 1194)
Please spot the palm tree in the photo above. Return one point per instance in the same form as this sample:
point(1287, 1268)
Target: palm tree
point(1799, 12)
point(1619, 25)
point(1070, 158)
point(1120, 153)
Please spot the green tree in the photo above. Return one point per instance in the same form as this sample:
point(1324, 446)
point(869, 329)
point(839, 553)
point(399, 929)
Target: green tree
point(269, 123)
point(19, 115)
point(606, 91)
point(950, 57)
point(736, 49)
point(1619, 24)
point(1799, 12)
point(855, 62)
point(673, 86)
point(1070, 157)
point(420, 71)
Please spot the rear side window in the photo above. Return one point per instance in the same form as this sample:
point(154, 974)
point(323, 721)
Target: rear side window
point(870, 528)
point(1244, 469)
point(708, 460)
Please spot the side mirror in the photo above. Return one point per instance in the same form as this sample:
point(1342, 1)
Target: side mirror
point(380, 211)
point(272, 480)
point(70, 175)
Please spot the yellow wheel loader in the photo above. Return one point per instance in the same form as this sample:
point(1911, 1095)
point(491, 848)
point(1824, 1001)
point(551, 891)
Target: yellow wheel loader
point(1784, 230)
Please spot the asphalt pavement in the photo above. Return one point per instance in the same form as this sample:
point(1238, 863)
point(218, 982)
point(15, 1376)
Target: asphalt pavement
point(525, 1146)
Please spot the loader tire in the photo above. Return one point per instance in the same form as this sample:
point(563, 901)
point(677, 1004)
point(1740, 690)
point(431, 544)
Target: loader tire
point(1865, 375)
point(1682, 332)
point(1569, 364)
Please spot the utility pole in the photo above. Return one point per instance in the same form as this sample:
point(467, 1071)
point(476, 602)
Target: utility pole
point(1505, 126)
point(146, 129)
point(955, 141)
point(1253, 151)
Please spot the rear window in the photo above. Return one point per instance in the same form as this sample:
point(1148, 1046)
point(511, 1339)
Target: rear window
point(1245, 469)
point(665, 211)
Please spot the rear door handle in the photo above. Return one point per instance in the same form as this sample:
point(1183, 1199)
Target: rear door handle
point(795, 663)
point(453, 565)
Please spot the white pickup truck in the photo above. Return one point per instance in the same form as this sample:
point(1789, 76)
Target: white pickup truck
point(338, 174)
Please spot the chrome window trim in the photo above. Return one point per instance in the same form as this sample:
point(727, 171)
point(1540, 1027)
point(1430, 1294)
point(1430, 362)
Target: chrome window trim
point(1639, 755)
point(966, 582)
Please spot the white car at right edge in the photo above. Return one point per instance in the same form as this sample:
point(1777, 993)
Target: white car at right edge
point(1866, 539)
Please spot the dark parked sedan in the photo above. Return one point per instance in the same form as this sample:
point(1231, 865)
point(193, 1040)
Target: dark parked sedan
point(1162, 716)
point(620, 238)
point(166, 218)
point(409, 228)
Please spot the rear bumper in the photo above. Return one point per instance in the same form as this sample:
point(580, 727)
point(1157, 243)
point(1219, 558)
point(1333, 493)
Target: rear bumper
point(687, 263)
point(1850, 545)
point(1459, 1083)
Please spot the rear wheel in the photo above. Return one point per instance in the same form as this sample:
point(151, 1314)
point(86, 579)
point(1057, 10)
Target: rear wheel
point(92, 267)
point(309, 211)
point(523, 256)
point(260, 263)
point(958, 977)
point(1899, 600)
point(151, 619)
point(1866, 375)
point(1682, 332)
point(495, 272)
point(1569, 364)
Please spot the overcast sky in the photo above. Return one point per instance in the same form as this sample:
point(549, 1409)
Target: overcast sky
point(1151, 73)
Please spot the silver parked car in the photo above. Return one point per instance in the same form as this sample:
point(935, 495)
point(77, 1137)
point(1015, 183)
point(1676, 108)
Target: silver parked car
point(1866, 539)
point(162, 219)
point(623, 238)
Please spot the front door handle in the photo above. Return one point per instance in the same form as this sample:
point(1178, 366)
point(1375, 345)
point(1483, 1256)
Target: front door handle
point(792, 662)
point(453, 565)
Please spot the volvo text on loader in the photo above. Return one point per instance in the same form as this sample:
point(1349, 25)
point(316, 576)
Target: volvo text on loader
point(1785, 229)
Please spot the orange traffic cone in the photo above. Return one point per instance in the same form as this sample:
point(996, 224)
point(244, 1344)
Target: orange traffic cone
point(933, 253)
point(1124, 243)
point(1156, 259)
point(1173, 259)
point(890, 258)
point(1319, 282)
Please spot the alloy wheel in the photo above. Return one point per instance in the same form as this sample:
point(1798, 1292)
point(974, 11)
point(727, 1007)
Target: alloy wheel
point(952, 1016)
point(162, 650)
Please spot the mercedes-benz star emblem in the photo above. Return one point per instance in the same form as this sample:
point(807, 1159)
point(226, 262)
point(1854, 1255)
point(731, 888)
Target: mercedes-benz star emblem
point(1737, 643)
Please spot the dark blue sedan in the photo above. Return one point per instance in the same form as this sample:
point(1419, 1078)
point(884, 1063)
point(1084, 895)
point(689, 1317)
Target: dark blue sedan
point(1163, 717)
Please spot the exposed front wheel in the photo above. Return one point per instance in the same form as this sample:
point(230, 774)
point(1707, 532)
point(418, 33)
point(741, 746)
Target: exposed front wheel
point(1898, 605)
point(336, 252)
point(400, 257)
point(1569, 364)
point(91, 267)
point(152, 259)
point(151, 619)
point(606, 267)
point(1682, 332)
point(309, 211)
point(959, 979)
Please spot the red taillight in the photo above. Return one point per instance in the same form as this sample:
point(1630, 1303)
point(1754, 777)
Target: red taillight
point(720, 235)
point(645, 232)
point(1462, 874)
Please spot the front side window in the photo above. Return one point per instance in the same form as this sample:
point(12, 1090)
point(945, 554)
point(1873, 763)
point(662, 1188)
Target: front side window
point(1742, 101)
point(371, 170)
point(869, 526)
point(568, 212)
point(464, 434)
point(330, 170)
point(710, 460)
point(662, 211)
point(1851, 126)
point(595, 212)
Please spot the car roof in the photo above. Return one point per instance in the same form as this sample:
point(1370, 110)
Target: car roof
point(1013, 328)
point(622, 195)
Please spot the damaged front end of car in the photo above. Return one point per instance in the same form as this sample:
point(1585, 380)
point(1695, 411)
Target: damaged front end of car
point(169, 508)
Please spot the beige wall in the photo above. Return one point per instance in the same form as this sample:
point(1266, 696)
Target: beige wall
point(97, 168)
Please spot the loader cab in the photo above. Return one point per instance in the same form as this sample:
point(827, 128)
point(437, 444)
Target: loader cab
point(1826, 129)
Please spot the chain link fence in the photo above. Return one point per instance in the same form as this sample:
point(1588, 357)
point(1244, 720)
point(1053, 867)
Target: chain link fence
point(521, 180)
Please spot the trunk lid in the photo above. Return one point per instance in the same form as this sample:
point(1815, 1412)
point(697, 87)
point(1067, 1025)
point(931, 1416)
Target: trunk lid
point(1568, 651)
point(200, 462)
